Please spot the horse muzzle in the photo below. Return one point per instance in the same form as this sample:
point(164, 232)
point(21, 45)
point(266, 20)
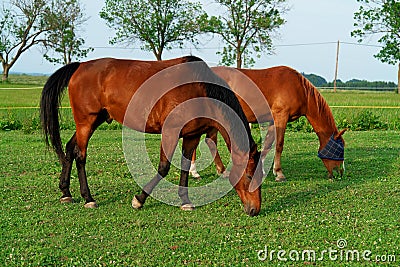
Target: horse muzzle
point(251, 210)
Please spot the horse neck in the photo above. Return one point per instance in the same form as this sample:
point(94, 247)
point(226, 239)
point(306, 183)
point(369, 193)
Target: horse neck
point(320, 116)
point(242, 140)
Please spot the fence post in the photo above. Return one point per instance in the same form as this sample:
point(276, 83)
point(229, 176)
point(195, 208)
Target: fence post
point(337, 65)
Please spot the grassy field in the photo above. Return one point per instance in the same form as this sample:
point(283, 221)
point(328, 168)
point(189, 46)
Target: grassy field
point(23, 80)
point(306, 213)
point(341, 220)
point(364, 110)
point(355, 110)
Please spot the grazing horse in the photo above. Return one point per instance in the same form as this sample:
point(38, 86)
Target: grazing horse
point(101, 90)
point(289, 95)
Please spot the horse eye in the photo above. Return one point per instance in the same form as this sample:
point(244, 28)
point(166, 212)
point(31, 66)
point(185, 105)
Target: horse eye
point(249, 177)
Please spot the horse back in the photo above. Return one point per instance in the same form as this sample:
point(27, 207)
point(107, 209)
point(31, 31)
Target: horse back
point(284, 88)
point(139, 94)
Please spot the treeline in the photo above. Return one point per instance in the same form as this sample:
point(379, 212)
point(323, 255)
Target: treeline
point(319, 81)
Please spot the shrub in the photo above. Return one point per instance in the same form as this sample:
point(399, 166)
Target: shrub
point(299, 125)
point(366, 120)
point(9, 122)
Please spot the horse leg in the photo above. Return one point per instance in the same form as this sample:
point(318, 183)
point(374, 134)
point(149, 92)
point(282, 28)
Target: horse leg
point(168, 145)
point(188, 146)
point(280, 124)
point(66, 170)
point(268, 142)
point(82, 136)
point(211, 141)
point(193, 171)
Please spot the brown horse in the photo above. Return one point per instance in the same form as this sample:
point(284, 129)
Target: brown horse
point(102, 90)
point(289, 96)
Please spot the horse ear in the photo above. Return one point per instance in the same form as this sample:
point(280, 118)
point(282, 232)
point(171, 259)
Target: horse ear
point(339, 134)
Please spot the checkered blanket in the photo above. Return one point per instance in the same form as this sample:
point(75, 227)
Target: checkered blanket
point(334, 150)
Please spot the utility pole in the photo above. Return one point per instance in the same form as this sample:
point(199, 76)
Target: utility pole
point(337, 65)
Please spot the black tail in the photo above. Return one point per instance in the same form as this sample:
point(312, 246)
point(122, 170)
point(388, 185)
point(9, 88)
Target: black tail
point(51, 99)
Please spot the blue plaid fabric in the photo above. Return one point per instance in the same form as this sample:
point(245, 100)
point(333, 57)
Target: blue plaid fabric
point(334, 150)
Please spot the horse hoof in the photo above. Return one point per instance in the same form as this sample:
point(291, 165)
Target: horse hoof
point(225, 174)
point(195, 175)
point(187, 207)
point(91, 205)
point(280, 179)
point(66, 200)
point(136, 203)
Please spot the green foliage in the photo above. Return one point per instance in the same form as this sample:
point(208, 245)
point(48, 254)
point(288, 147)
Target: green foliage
point(316, 80)
point(368, 121)
point(354, 83)
point(30, 23)
point(9, 122)
point(247, 28)
point(364, 121)
point(380, 17)
point(299, 125)
point(156, 24)
point(319, 81)
point(62, 42)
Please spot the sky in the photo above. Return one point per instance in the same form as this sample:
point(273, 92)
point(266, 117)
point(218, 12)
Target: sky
point(307, 43)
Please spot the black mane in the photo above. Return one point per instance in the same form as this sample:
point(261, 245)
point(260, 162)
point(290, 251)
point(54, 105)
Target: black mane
point(218, 89)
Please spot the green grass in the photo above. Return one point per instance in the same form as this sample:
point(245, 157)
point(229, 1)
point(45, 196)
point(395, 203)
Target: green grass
point(20, 97)
point(361, 98)
point(23, 80)
point(19, 110)
point(350, 107)
point(306, 213)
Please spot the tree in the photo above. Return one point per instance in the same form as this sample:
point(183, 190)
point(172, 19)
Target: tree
point(381, 17)
point(24, 24)
point(62, 43)
point(247, 28)
point(157, 25)
point(21, 29)
point(315, 79)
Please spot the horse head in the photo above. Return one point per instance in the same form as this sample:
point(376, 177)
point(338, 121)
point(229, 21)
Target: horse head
point(248, 187)
point(332, 155)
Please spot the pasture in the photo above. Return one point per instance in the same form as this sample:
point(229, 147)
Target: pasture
point(341, 220)
point(356, 110)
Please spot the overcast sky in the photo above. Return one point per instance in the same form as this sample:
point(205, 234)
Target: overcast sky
point(309, 23)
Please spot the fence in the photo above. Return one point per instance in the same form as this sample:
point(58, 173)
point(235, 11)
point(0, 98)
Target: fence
point(370, 89)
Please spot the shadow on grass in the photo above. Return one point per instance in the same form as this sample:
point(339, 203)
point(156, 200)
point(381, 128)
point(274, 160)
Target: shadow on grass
point(363, 165)
point(307, 177)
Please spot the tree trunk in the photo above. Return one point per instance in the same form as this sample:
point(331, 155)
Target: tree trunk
point(6, 70)
point(238, 58)
point(159, 53)
point(398, 80)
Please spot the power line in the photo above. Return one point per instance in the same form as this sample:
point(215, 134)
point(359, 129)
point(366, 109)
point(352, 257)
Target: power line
point(306, 44)
point(359, 44)
point(219, 47)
